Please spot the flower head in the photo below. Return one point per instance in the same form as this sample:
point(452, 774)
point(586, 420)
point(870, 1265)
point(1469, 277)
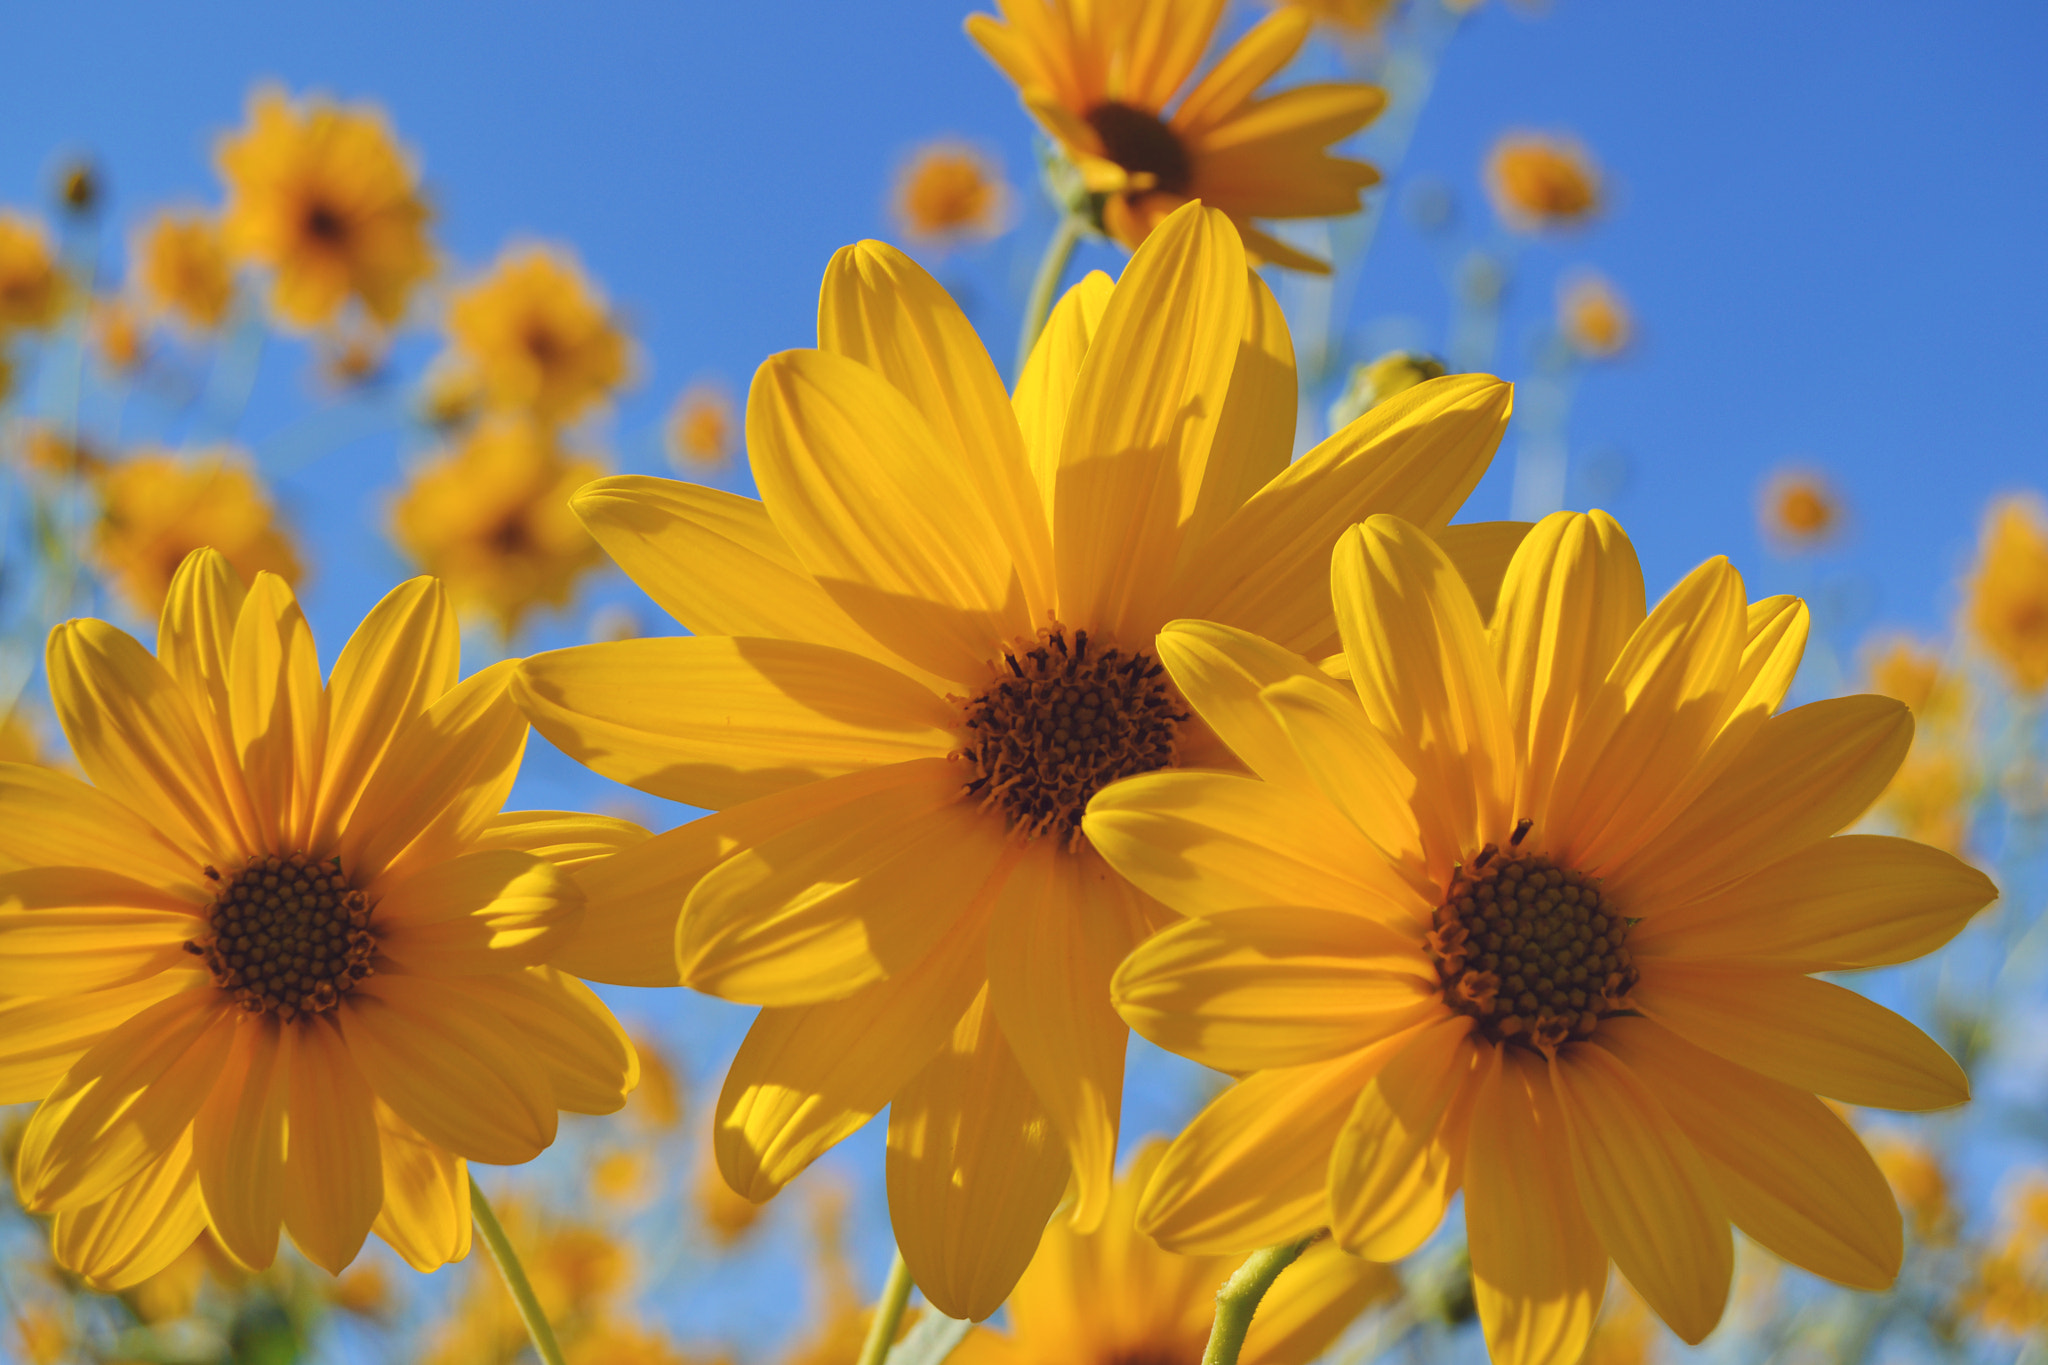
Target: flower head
point(2008, 605)
point(1100, 78)
point(157, 507)
point(32, 289)
point(540, 338)
point(117, 334)
point(1374, 382)
point(950, 191)
point(182, 268)
point(1530, 907)
point(282, 961)
point(913, 662)
point(703, 428)
point(325, 198)
point(491, 518)
point(1593, 317)
point(1541, 180)
point(1799, 510)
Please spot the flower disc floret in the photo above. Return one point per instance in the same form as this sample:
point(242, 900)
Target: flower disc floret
point(286, 935)
point(1149, 151)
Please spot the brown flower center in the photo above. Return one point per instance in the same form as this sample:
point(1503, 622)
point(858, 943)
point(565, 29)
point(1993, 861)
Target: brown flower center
point(1064, 723)
point(286, 935)
point(1143, 146)
point(324, 225)
point(1530, 949)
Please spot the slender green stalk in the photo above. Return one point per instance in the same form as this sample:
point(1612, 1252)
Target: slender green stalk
point(1045, 286)
point(888, 1314)
point(515, 1277)
point(1239, 1298)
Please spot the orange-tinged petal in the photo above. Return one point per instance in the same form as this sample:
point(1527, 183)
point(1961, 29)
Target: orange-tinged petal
point(713, 721)
point(1482, 550)
point(1417, 456)
point(1807, 1033)
point(863, 889)
point(568, 1033)
point(1306, 115)
point(975, 1168)
point(809, 1076)
point(238, 1140)
point(566, 838)
point(1645, 1190)
point(1539, 1271)
point(1394, 1166)
point(1045, 390)
point(278, 711)
point(425, 1217)
point(333, 1168)
point(70, 929)
point(495, 910)
point(1142, 423)
point(1791, 1173)
point(51, 819)
point(138, 1230)
point(883, 516)
point(41, 1036)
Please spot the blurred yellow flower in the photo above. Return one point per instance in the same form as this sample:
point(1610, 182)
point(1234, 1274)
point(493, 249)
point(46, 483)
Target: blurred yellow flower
point(703, 428)
point(622, 1344)
point(117, 333)
point(1542, 180)
point(539, 336)
point(623, 1177)
point(726, 1215)
point(44, 451)
point(950, 191)
point(2008, 605)
point(491, 519)
point(325, 198)
point(157, 507)
point(1627, 1333)
point(21, 739)
point(78, 187)
point(1914, 1172)
point(1099, 78)
point(1799, 510)
point(181, 266)
point(658, 1104)
point(32, 289)
point(2007, 1291)
point(174, 1045)
point(43, 1333)
point(1348, 18)
point(1593, 317)
point(1374, 382)
point(1530, 907)
point(1112, 1297)
point(364, 1290)
point(1903, 667)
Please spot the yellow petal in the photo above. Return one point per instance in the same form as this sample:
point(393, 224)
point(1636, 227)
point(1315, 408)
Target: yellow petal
point(1538, 1268)
point(41, 1036)
point(425, 1217)
point(1142, 423)
point(194, 635)
point(1646, 1191)
point(401, 660)
point(565, 838)
point(1062, 923)
point(1255, 59)
point(334, 1169)
point(1427, 682)
point(1856, 900)
point(975, 1168)
point(1393, 1169)
point(1791, 1173)
point(238, 1140)
point(1254, 437)
point(878, 307)
point(491, 911)
point(881, 515)
point(137, 1231)
point(1417, 456)
point(1247, 990)
point(1804, 1032)
point(1160, 50)
point(279, 711)
point(1309, 1306)
point(864, 888)
point(567, 1032)
point(1221, 671)
point(809, 1076)
point(1307, 115)
point(51, 819)
point(1356, 769)
point(458, 1073)
point(1046, 388)
point(1482, 550)
point(713, 721)
point(70, 929)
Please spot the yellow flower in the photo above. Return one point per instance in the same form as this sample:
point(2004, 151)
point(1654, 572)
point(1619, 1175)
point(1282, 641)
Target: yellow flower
point(157, 507)
point(1541, 180)
point(491, 518)
point(32, 289)
point(875, 694)
point(45, 451)
point(725, 1213)
point(703, 427)
point(1593, 316)
point(618, 1344)
point(949, 191)
point(1917, 1179)
point(1799, 509)
point(2008, 1289)
point(284, 961)
point(1529, 908)
point(365, 1291)
point(451, 395)
point(2008, 607)
point(541, 340)
point(1902, 667)
point(326, 199)
point(1626, 1333)
point(1349, 18)
point(20, 737)
point(1375, 382)
point(1932, 796)
point(117, 334)
point(1111, 1297)
point(182, 268)
point(1099, 77)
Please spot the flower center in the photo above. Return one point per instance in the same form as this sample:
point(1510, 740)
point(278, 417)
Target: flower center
point(324, 225)
point(286, 935)
point(1143, 146)
point(1066, 722)
point(1530, 949)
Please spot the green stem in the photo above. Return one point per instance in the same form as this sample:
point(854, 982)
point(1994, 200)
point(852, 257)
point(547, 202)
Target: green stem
point(515, 1277)
point(888, 1314)
point(1239, 1298)
point(1045, 286)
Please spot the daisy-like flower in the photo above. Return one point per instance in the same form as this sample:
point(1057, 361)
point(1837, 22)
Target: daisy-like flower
point(2008, 607)
point(32, 289)
point(182, 268)
point(1100, 78)
point(540, 338)
point(1530, 908)
point(327, 200)
point(703, 428)
point(1113, 1297)
point(1799, 509)
point(915, 660)
point(158, 507)
point(1593, 317)
point(1542, 180)
point(283, 961)
point(951, 191)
